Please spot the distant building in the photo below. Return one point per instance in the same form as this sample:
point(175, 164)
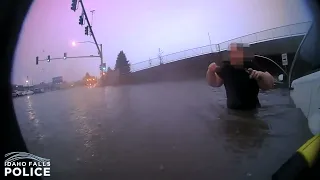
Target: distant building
point(57, 80)
point(18, 88)
point(43, 86)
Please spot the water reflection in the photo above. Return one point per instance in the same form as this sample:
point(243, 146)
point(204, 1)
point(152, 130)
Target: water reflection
point(132, 129)
point(30, 111)
point(243, 131)
point(32, 117)
point(85, 119)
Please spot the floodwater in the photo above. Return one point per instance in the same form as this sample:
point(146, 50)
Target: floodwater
point(161, 131)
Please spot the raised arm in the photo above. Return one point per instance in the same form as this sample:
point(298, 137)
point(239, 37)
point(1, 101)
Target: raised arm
point(212, 77)
point(264, 79)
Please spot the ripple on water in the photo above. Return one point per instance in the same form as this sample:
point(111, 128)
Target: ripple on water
point(82, 126)
point(175, 127)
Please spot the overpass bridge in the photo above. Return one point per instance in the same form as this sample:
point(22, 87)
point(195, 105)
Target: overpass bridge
point(284, 39)
point(193, 63)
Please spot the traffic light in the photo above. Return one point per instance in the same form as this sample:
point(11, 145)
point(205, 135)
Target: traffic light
point(37, 60)
point(65, 56)
point(103, 67)
point(86, 30)
point(81, 20)
point(74, 5)
point(48, 58)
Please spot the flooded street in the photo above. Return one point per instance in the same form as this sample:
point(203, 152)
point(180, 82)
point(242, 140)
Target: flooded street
point(164, 131)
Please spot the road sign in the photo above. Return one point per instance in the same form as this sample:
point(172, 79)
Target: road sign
point(284, 59)
point(57, 80)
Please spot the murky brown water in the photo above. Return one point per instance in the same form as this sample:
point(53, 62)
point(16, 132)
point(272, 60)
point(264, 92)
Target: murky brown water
point(159, 131)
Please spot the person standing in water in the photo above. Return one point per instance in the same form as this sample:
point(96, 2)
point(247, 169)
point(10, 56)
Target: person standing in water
point(241, 78)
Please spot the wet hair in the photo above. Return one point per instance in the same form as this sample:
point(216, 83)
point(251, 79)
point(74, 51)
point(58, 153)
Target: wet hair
point(239, 46)
point(247, 50)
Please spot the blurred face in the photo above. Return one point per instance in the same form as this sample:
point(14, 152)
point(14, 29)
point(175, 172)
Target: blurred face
point(236, 56)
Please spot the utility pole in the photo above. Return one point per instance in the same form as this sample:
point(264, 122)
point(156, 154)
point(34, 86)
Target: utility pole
point(150, 63)
point(210, 42)
point(101, 55)
point(160, 56)
point(92, 11)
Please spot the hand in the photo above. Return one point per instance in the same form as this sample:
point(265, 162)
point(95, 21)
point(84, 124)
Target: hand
point(254, 74)
point(213, 67)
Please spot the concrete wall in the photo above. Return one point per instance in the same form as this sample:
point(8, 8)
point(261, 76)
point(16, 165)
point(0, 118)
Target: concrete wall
point(196, 67)
point(278, 46)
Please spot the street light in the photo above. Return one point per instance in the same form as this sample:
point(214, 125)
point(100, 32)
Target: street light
point(74, 43)
point(27, 84)
point(273, 63)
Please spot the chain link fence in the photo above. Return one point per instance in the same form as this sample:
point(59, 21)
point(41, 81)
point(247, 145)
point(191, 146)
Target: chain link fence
point(266, 35)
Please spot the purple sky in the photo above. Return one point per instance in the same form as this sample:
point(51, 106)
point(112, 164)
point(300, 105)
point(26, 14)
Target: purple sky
point(138, 28)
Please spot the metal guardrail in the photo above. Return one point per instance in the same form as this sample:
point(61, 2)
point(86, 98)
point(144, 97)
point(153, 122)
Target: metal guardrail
point(266, 35)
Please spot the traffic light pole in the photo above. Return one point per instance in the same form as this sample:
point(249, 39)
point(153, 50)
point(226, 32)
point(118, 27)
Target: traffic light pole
point(94, 38)
point(99, 52)
point(101, 55)
point(74, 57)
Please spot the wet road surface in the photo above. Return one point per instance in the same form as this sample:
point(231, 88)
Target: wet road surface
point(159, 131)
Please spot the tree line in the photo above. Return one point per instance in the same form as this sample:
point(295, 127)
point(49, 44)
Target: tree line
point(122, 64)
